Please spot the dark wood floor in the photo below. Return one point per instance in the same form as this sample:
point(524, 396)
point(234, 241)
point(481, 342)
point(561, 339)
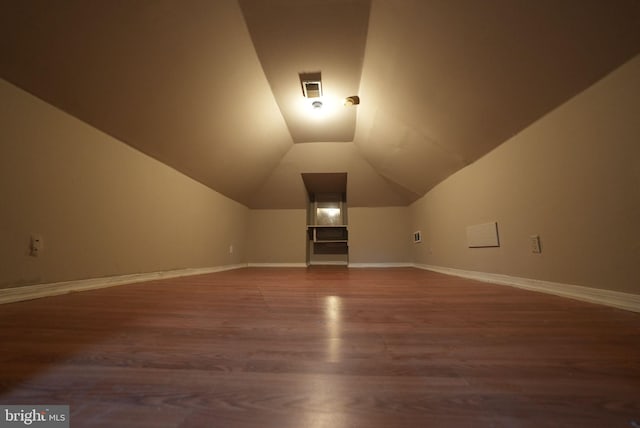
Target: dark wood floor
point(323, 348)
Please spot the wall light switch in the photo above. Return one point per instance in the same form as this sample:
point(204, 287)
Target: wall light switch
point(534, 241)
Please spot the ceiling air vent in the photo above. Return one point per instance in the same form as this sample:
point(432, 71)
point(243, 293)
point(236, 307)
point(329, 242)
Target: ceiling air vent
point(311, 84)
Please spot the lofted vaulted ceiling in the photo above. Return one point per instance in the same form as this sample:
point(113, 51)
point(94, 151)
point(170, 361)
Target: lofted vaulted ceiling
point(211, 88)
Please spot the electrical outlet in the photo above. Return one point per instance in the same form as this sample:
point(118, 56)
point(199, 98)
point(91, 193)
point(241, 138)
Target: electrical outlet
point(37, 245)
point(230, 249)
point(534, 241)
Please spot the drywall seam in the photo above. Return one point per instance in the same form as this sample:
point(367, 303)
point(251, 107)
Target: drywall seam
point(379, 265)
point(17, 294)
point(278, 265)
point(616, 299)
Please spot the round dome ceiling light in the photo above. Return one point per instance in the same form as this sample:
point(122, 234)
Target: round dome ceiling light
point(317, 105)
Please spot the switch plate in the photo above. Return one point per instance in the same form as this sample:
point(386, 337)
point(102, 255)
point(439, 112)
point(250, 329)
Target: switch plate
point(37, 244)
point(534, 241)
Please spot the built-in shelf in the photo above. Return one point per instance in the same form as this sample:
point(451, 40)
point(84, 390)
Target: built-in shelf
point(339, 248)
point(329, 234)
point(327, 231)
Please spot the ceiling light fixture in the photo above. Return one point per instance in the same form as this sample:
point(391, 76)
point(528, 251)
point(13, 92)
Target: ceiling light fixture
point(316, 102)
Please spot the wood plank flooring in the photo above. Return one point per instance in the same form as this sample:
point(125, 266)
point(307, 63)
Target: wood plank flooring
point(323, 347)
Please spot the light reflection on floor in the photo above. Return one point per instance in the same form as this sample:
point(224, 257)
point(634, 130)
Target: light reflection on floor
point(326, 400)
point(333, 308)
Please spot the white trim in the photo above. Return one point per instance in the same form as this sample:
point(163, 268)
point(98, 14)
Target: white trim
point(328, 263)
point(616, 299)
point(28, 292)
point(379, 265)
point(278, 265)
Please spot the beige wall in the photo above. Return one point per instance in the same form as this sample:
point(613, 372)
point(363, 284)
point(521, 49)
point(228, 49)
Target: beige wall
point(102, 207)
point(379, 235)
point(376, 235)
point(573, 177)
point(277, 236)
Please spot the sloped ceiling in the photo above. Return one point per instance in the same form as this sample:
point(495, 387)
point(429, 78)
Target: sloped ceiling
point(201, 85)
point(291, 38)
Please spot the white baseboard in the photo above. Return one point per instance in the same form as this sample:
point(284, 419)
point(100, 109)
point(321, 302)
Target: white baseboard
point(28, 292)
point(616, 299)
point(328, 263)
point(278, 265)
point(379, 265)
